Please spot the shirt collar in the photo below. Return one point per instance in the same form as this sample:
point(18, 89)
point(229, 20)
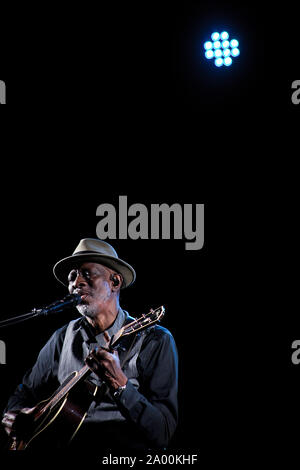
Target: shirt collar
point(88, 332)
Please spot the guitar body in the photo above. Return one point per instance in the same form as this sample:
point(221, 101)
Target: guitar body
point(59, 423)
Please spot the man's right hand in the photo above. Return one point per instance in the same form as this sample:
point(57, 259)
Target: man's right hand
point(14, 421)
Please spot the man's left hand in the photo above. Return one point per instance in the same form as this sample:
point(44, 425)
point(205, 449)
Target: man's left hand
point(106, 364)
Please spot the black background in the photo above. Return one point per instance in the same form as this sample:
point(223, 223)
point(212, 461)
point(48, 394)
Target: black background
point(118, 100)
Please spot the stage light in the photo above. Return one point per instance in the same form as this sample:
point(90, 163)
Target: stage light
point(218, 53)
point(228, 61)
point(224, 35)
point(221, 46)
point(235, 52)
point(215, 36)
point(234, 43)
point(219, 62)
point(209, 54)
point(208, 45)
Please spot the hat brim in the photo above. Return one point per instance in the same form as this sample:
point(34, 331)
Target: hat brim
point(63, 267)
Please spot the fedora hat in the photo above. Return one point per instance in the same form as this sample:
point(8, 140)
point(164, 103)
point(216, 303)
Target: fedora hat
point(94, 251)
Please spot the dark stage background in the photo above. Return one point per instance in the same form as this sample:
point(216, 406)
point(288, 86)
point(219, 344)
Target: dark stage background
point(116, 101)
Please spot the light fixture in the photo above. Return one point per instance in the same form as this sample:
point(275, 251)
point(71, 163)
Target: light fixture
point(221, 48)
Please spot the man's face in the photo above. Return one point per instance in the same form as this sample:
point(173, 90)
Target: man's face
point(92, 282)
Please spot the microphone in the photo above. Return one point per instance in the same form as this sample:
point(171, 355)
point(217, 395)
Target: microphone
point(67, 302)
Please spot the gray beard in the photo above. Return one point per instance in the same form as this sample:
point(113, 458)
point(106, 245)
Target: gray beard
point(86, 311)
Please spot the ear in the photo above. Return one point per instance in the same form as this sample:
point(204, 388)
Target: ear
point(117, 280)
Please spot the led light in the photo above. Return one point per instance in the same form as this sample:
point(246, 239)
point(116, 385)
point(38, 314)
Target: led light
point(208, 45)
point(209, 54)
point(221, 48)
point(218, 53)
point(228, 61)
point(215, 36)
point(219, 62)
point(235, 52)
point(217, 44)
point(234, 43)
point(224, 35)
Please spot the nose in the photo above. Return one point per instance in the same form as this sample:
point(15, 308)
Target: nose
point(78, 282)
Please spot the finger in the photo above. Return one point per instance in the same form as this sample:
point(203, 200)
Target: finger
point(8, 430)
point(92, 361)
point(8, 425)
point(26, 411)
point(10, 415)
point(102, 353)
point(6, 421)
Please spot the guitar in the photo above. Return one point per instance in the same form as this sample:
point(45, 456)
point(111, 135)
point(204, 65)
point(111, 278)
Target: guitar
point(66, 409)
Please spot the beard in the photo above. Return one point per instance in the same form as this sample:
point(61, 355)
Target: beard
point(87, 310)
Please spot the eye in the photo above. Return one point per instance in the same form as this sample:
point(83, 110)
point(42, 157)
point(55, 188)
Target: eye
point(86, 274)
point(72, 275)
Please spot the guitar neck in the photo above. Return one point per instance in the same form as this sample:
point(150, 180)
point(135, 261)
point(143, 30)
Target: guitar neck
point(80, 375)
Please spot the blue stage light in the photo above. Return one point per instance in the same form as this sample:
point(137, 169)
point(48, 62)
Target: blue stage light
point(218, 53)
point(222, 48)
point(235, 52)
point(219, 62)
point(234, 43)
point(228, 61)
point(224, 35)
point(215, 36)
point(209, 54)
point(208, 45)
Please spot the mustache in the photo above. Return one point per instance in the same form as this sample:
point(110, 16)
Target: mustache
point(80, 292)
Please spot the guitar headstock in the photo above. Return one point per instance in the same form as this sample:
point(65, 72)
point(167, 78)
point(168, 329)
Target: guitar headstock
point(140, 324)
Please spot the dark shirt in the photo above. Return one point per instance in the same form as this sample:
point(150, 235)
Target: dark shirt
point(144, 416)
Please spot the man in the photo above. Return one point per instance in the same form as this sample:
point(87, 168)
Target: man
point(133, 402)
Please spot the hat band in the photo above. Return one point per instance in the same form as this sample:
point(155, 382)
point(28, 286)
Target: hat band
point(89, 251)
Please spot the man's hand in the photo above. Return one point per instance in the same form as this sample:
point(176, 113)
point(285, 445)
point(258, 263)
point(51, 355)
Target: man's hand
point(106, 364)
point(15, 422)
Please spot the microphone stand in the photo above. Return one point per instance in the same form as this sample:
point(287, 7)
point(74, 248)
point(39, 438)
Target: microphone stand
point(55, 307)
point(12, 321)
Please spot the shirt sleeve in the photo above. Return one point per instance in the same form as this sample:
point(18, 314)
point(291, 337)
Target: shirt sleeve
point(41, 380)
point(154, 408)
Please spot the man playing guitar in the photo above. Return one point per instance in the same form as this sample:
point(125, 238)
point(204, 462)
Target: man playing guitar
point(125, 397)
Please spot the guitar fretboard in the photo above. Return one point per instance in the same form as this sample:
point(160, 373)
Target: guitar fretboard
point(63, 392)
